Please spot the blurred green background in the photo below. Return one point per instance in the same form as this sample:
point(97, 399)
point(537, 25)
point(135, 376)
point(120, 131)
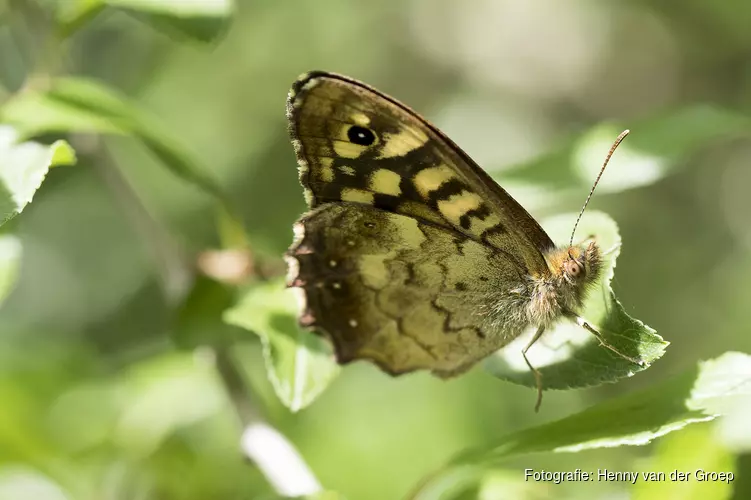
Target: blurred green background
point(98, 400)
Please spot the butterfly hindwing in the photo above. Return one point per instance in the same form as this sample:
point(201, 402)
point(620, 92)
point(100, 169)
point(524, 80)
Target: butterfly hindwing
point(355, 144)
point(406, 294)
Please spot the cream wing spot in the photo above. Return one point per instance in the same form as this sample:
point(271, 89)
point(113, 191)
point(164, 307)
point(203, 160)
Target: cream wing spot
point(373, 271)
point(361, 119)
point(348, 149)
point(346, 170)
point(357, 195)
point(385, 182)
point(326, 173)
point(402, 142)
point(479, 226)
point(373, 268)
point(326, 162)
point(458, 205)
point(408, 231)
point(429, 179)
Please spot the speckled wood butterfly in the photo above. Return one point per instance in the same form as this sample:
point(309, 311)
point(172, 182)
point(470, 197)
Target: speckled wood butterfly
point(411, 256)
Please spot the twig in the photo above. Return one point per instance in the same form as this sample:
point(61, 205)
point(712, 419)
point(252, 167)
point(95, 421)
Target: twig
point(172, 264)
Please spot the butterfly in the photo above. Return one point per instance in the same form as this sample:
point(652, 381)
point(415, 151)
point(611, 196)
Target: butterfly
point(411, 256)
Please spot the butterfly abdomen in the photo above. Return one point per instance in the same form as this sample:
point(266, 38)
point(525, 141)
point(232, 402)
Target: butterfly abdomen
point(546, 303)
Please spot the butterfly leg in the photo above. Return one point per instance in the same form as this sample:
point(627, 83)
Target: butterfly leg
point(535, 371)
point(583, 323)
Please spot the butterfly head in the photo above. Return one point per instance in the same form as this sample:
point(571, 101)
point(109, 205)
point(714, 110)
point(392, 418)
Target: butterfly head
point(576, 266)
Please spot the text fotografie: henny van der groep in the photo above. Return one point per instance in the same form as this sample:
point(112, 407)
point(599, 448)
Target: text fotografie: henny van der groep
point(579, 475)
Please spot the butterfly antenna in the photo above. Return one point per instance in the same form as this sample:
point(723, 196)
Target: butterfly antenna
point(589, 197)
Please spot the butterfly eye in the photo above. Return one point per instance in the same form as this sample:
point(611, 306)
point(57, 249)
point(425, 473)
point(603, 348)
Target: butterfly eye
point(360, 135)
point(573, 268)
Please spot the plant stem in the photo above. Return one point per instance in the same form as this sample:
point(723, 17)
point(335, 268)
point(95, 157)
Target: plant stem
point(172, 264)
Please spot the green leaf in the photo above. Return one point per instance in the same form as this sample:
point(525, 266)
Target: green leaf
point(299, 364)
point(511, 484)
point(202, 20)
point(10, 262)
point(163, 394)
point(199, 318)
point(23, 481)
point(734, 431)
point(23, 167)
point(655, 147)
point(698, 395)
point(693, 449)
point(73, 14)
point(568, 355)
point(83, 105)
point(62, 154)
point(35, 113)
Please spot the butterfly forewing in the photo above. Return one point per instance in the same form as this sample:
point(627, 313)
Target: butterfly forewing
point(355, 144)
